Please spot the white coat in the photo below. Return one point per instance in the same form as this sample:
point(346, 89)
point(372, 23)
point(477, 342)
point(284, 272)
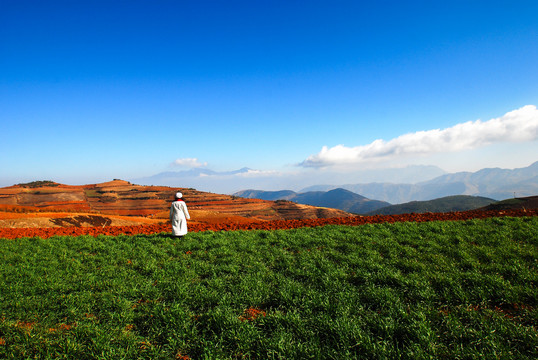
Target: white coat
point(178, 217)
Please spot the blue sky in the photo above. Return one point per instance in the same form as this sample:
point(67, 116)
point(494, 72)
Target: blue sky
point(96, 90)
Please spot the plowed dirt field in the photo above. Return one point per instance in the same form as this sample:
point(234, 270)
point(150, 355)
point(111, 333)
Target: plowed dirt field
point(164, 227)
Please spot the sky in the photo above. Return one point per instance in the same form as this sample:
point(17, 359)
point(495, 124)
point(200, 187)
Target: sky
point(92, 91)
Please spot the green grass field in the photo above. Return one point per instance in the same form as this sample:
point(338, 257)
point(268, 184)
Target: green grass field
point(438, 290)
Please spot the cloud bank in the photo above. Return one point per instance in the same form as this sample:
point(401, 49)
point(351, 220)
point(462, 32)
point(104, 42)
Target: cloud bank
point(520, 125)
point(188, 163)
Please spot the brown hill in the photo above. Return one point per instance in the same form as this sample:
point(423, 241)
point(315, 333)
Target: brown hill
point(118, 202)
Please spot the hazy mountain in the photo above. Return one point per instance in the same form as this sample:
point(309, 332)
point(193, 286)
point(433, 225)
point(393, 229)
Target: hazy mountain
point(444, 204)
point(266, 195)
point(493, 183)
point(174, 177)
point(399, 193)
point(337, 199)
point(228, 182)
point(410, 174)
point(407, 175)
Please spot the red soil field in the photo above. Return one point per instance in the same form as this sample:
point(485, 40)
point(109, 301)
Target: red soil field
point(164, 227)
point(120, 198)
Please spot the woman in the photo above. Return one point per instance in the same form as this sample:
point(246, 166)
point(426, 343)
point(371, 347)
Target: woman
point(178, 216)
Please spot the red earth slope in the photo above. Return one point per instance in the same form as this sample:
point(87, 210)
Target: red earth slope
point(118, 202)
point(267, 225)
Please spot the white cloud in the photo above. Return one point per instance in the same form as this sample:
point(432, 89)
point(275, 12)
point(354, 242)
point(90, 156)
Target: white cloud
point(188, 162)
point(520, 125)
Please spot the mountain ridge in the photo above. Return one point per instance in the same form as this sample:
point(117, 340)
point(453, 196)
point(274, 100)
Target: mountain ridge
point(495, 183)
point(440, 205)
point(338, 198)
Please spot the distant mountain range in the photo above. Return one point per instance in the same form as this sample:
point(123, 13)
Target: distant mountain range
point(495, 183)
point(450, 192)
point(354, 203)
point(337, 198)
point(169, 177)
point(228, 182)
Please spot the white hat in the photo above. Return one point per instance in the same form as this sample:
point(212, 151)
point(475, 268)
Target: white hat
point(179, 195)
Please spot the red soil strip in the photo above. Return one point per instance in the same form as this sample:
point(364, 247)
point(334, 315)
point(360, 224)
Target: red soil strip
point(252, 314)
point(13, 233)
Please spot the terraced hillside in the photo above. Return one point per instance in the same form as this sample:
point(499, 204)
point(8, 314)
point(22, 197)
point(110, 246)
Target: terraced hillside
point(118, 202)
